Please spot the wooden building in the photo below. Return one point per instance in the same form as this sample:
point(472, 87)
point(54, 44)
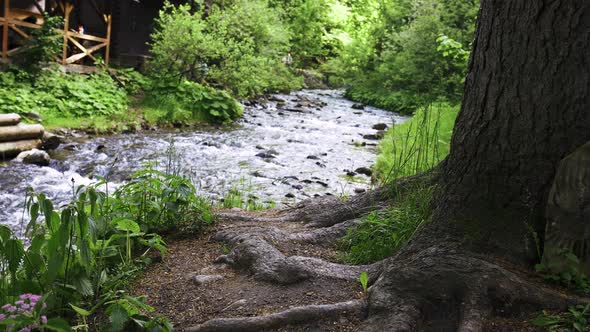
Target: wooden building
point(117, 29)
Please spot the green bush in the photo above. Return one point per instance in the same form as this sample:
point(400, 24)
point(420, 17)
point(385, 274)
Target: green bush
point(162, 202)
point(382, 233)
point(53, 93)
point(81, 257)
point(237, 48)
point(191, 102)
point(397, 59)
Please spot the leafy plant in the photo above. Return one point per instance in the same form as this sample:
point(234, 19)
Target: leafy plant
point(189, 102)
point(364, 280)
point(41, 45)
point(577, 318)
point(53, 93)
point(240, 196)
point(566, 272)
point(160, 202)
point(82, 255)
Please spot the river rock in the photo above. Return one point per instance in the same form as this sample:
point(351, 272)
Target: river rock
point(35, 156)
point(380, 126)
point(359, 190)
point(364, 170)
point(201, 280)
point(374, 137)
point(290, 195)
point(358, 106)
point(268, 154)
point(276, 99)
point(51, 141)
point(312, 157)
point(568, 215)
point(297, 186)
point(350, 173)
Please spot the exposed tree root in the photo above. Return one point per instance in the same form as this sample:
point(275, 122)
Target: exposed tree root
point(287, 317)
point(267, 263)
point(423, 288)
point(454, 291)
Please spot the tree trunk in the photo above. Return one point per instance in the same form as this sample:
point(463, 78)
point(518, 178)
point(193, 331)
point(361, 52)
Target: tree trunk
point(525, 107)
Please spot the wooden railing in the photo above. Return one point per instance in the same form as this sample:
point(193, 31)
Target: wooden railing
point(13, 19)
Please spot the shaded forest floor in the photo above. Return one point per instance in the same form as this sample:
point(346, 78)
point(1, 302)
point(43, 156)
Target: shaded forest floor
point(175, 286)
point(170, 287)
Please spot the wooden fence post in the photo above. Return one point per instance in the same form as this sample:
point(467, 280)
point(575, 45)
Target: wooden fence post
point(67, 12)
point(108, 50)
point(5, 30)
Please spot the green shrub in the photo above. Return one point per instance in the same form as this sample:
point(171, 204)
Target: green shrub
point(191, 102)
point(577, 318)
point(81, 257)
point(237, 48)
point(405, 54)
point(76, 257)
point(417, 144)
point(53, 93)
point(382, 233)
point(163, 202)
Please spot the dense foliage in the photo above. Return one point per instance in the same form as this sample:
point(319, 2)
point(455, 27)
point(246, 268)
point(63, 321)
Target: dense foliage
point(54, 93)
point(405, 53)
point(187, 102)
point(238, 48)
point(79, 258)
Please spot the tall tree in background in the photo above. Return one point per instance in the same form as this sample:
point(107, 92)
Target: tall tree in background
point(526, 106)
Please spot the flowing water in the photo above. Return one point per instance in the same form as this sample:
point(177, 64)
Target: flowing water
point(291, 148)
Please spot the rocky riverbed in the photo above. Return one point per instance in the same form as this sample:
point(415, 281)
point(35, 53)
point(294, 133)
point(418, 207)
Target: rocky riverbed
point(286, 148)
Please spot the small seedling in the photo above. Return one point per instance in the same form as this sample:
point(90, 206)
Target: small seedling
point(364, 280)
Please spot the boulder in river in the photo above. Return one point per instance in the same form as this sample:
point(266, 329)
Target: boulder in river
point(358, 106)
point(268, 154)
point(380, 126)
point(364, 170)
point(51, 141)
point(374, 137)
point(35, 156)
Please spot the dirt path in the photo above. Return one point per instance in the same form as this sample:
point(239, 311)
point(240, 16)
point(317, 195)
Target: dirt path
point(172, 290)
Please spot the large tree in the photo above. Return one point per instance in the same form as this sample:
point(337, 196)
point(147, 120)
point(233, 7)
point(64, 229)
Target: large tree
point(526, 106)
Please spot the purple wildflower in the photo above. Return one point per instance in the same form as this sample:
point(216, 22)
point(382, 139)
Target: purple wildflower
point(43, 319)
point(19, 303)
point(11, 308)
point(6, 306)
point(2, 316)
point(34, 298)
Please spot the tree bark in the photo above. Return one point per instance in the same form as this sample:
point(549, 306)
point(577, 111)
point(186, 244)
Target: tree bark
point(525, 107)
